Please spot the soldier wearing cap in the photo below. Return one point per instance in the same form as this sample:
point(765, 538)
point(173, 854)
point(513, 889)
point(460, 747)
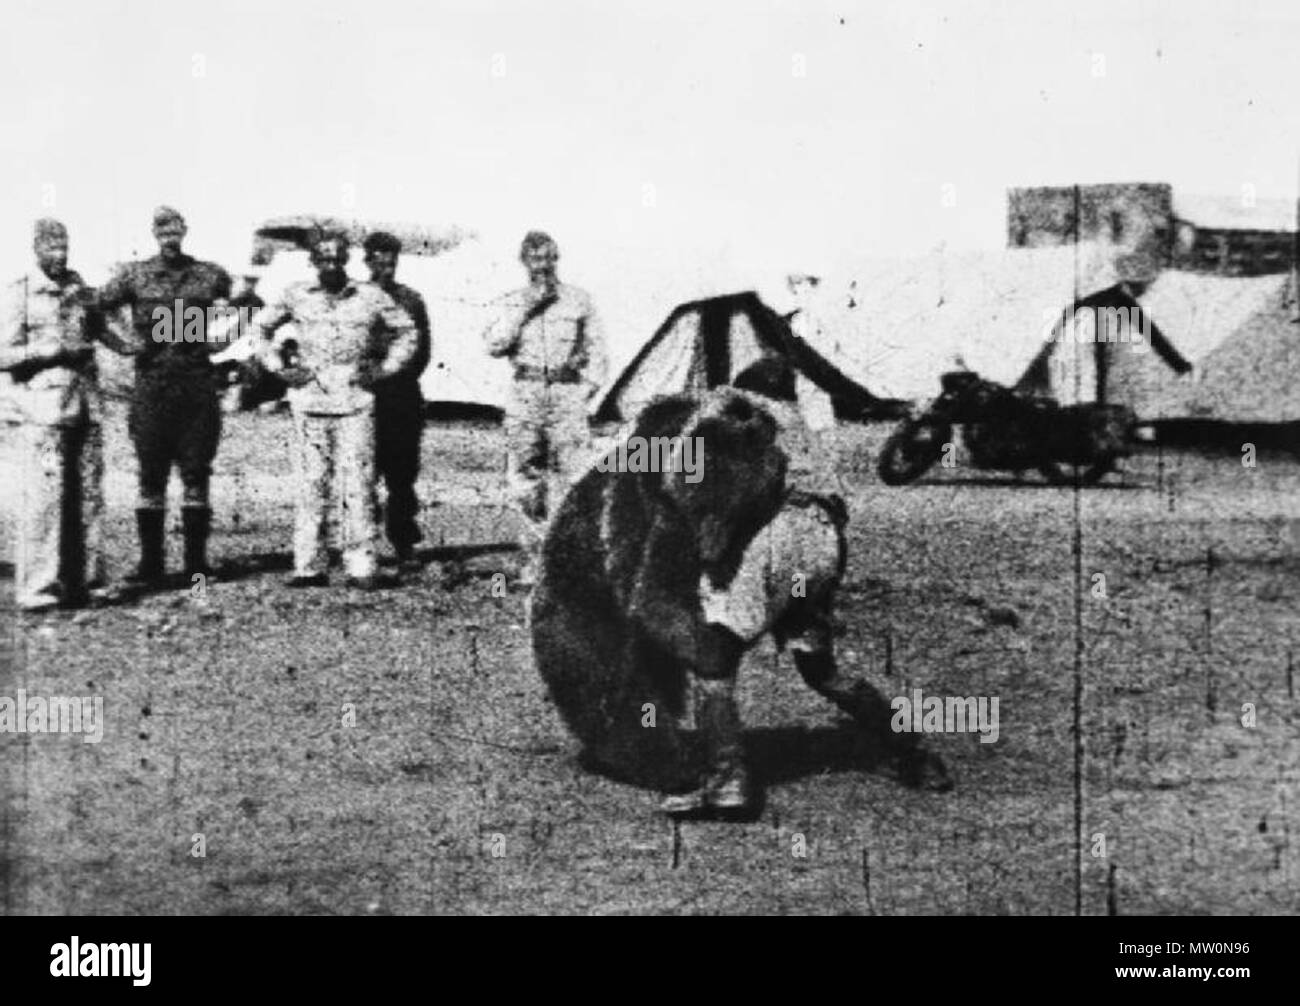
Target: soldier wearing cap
point(47, 348)
point(349, 337)
point(552, 335)
point(175, 416)
point(399, 404)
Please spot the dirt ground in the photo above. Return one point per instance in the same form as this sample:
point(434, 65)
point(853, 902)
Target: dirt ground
point(451, 786)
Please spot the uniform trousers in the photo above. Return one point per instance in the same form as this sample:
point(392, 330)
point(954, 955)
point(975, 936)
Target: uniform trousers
point(547, 441)
point(175, 419)
point(60, 548)
point(399, 422)
point(334, 475)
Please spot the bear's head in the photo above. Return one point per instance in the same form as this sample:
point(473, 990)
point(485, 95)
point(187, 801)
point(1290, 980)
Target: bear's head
point(735, 478)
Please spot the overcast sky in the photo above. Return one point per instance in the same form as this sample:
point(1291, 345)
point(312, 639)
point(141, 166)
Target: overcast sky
point(696, 143)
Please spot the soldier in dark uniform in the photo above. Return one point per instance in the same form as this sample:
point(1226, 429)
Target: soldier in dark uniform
point(399, 404)
point(175, 416)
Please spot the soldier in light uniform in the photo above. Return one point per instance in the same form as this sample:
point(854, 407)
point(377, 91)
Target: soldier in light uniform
point(785, 584)
point(47, 348)
point(175, 416)
point(349, 336)
point(552, 336)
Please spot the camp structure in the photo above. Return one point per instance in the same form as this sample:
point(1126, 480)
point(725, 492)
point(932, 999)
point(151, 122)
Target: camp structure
point(293, 233)
point(1220, 293)
point(1243, 236)
point(449, 267)
point(1054, 320)
point(1241, 339)
point(706, 343)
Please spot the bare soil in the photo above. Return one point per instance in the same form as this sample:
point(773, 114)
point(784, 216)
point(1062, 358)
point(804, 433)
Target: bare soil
point(456, 789)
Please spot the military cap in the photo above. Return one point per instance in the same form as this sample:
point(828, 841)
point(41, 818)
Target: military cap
point(318, 235)
point(47, 229)
point(166, 215)
point(382, 241)
point(536, 239)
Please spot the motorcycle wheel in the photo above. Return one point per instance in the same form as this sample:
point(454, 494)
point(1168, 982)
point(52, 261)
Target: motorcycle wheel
point(1062, 474)
point(910, 451)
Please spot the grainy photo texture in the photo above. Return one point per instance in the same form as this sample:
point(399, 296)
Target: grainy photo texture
point(740, 458)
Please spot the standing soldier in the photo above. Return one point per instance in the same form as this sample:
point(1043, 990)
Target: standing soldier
point(50, 322)
point(175, 416)
point(551, 334)
point(399, 405)
point(349, 336)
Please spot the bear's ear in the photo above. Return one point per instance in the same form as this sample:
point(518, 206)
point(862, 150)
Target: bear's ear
point(738, 413)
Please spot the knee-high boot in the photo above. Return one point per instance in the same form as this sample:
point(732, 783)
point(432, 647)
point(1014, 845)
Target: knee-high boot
point(196, 523)
point(149, 522)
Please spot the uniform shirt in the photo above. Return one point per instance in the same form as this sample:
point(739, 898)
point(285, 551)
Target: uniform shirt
point(339, 335)
point(153, 284)
point(565, 338)
point(413, 304)
point(42, 318)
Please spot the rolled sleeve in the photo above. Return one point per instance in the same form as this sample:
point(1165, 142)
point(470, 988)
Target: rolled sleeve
point(404, 343)
point(256, 342)
point(412, 305)
point(13, 340)
point(596, 371)
point(502, 335)
point(424, 339)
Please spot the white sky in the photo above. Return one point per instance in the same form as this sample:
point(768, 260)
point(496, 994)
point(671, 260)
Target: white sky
point(234, 111)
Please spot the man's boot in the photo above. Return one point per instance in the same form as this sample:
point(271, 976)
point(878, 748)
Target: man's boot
point(196, 523)
point(917, 767)
point(724, 783)
point(149, 522)
point(727, 783)
point(853, 695)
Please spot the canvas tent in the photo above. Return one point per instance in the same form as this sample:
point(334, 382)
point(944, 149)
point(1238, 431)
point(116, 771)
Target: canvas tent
point(706, 343)
point(1238, 334)
point(1097, 342)
point(897, 325)
point(290, 233)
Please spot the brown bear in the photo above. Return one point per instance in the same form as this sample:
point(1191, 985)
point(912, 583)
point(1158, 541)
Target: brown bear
point(655, 583)
point(616, 618)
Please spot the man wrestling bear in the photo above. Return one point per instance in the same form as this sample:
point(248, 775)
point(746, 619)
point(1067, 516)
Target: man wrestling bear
point(654, 585)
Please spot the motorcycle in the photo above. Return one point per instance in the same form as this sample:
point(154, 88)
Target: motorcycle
point(1010, 430)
